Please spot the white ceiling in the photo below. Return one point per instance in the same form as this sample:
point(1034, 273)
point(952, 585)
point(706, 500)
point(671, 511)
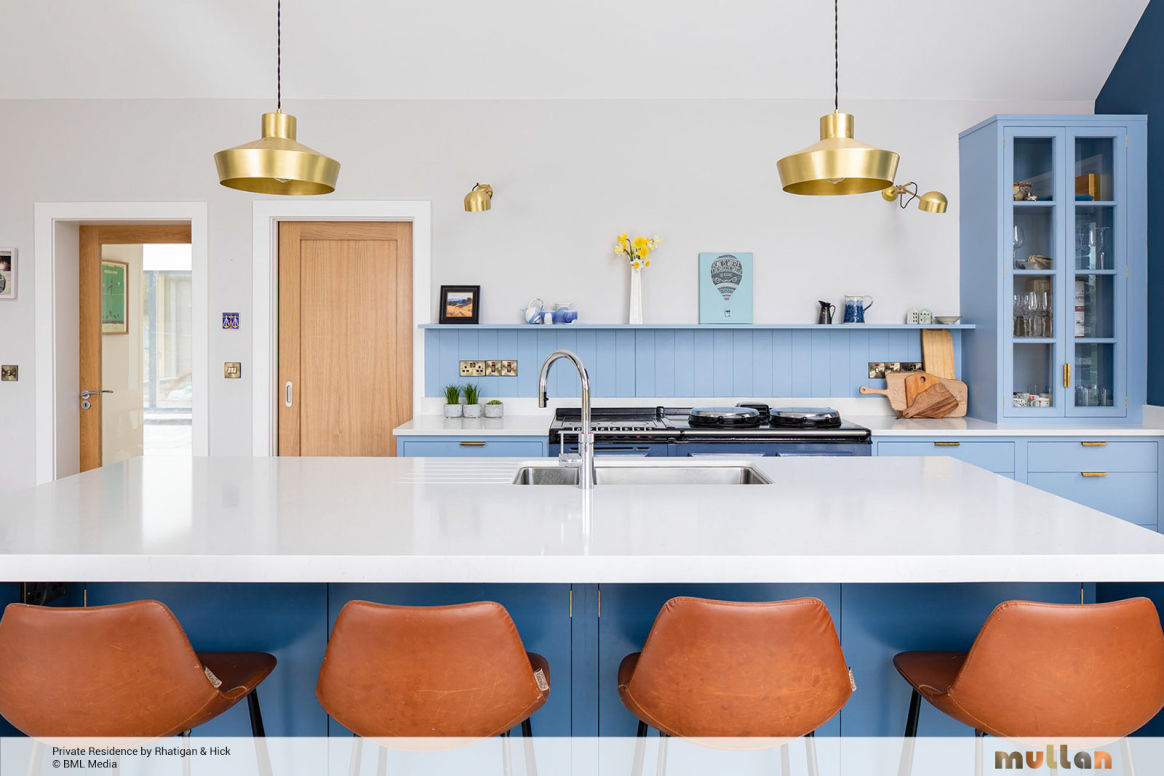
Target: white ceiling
point(477, 49)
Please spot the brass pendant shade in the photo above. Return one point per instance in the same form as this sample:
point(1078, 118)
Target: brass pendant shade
point(932, 202)
point(838, 164)
point(276, 163)
point(479, 199)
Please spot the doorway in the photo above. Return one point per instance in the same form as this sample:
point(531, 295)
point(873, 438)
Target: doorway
point(345, 336)
point(136, 342)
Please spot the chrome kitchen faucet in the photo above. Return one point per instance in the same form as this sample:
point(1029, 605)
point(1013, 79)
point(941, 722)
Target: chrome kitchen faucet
point(585, 462)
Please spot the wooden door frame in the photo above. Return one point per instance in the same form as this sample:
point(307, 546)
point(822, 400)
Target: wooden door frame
point(46, 215)
point(266, 215)
point(92, 238)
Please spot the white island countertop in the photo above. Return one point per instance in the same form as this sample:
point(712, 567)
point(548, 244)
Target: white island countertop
point(459, 520)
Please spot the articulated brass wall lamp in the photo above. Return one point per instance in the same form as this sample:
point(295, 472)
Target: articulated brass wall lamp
point(276, 163)
point(479, 199)
point(838, 164)
point(930, 202)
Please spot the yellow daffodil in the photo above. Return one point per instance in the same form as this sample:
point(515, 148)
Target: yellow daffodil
point(639, 243)
point(648, 264)
point(636, 264)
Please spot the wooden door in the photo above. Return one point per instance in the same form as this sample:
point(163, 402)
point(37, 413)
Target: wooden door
point(345, 337)
point(89, 271)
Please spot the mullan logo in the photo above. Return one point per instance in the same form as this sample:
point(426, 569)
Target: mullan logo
point(1098, 760)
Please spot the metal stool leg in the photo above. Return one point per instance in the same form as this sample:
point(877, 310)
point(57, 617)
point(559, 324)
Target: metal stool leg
point(506, 755)
point(186, 757)
point(905, 766)
point(35, 758)
point(1126, 755)
point(258, 733)
point(382, 761)
point(785, 761)
point(661, 766)
point(531, 764)
point(357, 750)
point(978, 736)
point(810, 754)
point(640, 749)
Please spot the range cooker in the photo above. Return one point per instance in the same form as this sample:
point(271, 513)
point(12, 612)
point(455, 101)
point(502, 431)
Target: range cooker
point(751, 429)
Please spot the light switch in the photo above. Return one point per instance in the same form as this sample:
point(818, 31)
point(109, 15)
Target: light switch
point(232, 370)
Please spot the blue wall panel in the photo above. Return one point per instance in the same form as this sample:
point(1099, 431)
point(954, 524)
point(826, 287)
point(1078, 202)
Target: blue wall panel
point(683, 362)
point(1133, 87)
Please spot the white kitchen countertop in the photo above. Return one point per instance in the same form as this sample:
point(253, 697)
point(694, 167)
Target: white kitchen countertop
point(887, 426)
point(458, 520)
point(509, 425)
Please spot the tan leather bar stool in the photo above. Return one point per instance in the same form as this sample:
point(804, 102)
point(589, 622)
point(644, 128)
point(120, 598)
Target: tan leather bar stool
point(125, 670)
point(714, 669)
point(1041, 670)
point(430, 671)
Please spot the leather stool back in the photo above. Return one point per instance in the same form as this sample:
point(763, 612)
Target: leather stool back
point(121, 670)
point(1039, 669)
point(728, 669)
point(415, 671)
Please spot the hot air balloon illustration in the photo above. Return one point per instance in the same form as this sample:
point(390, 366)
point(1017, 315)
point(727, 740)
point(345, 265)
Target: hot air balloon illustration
point(727, 272)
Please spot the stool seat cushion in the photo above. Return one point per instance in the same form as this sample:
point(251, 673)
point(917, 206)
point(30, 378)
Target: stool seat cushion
point(931, 674)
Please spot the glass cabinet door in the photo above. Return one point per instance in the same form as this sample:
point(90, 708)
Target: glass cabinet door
point(1033, 259)
point(1096, 280)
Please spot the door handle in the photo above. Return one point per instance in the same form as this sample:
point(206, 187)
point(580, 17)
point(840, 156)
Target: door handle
point(1066, 375)
point(1094, 474)
point(1094, 444)
point(947, 444)
point(472, 444)
point(288, 394)
point(93, 394)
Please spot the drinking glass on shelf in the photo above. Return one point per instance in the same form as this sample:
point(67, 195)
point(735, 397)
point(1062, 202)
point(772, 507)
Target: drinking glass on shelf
point(1019, 240)
point(1043, 305)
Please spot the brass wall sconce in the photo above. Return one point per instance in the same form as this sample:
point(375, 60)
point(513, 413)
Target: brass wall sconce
point(479, 199)
point(930, 202)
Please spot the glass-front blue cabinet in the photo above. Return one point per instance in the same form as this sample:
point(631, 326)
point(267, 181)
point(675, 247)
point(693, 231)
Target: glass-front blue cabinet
point(1053, 266)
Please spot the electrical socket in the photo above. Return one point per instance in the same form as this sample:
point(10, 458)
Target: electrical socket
point(472, 369)
point(878, 369)
point(501, 369)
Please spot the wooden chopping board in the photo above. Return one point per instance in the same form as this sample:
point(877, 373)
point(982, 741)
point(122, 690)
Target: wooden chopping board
point(896, 390)
point(934, 402)
point(938, 352)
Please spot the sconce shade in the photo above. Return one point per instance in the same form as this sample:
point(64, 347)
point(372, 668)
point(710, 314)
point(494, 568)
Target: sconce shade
point(276, 163)
point(479, 199)
point(838, 164)
point(932, 202)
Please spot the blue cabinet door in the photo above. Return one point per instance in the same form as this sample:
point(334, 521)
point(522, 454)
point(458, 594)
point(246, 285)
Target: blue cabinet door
point(1130, 496)
point(471, 447)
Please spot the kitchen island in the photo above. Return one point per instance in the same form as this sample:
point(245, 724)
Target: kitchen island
point(260, 553)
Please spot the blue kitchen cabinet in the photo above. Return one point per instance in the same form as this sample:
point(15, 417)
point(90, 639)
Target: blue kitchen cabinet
point(1118, 476)
point(1054, 266)
point(471, 447)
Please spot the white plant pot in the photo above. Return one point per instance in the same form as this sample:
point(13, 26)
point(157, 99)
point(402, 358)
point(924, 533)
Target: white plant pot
point(472, 410)
point(453, 410)
point(494, 410)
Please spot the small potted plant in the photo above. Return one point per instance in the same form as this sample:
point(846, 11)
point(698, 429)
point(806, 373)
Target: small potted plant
point(472, 394)
point(452, 401)
point(494, 408)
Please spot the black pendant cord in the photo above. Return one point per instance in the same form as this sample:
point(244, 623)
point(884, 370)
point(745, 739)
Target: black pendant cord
point(279, 55)
point(836, 61)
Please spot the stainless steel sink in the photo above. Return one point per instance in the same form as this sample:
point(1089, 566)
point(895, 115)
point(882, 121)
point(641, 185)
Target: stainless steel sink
point(671, 473)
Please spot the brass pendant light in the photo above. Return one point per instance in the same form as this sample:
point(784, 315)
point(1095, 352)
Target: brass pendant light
point(276, 163)
point(838, 164)
point(930, 202)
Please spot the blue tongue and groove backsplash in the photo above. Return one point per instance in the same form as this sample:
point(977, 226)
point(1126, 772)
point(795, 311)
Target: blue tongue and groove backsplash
point(680, 362)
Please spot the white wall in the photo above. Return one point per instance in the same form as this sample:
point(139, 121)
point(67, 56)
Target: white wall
point(569, 176)
point(122, 416)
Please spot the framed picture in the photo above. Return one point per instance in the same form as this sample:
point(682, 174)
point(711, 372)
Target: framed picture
point(460, 304)
point(7, 273)
point(114, 297)
point(725, 288)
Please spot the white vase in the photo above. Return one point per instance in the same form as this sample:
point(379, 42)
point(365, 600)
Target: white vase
point(636, 296)
point(472, 410)
point(453, 410)
point(494, 410)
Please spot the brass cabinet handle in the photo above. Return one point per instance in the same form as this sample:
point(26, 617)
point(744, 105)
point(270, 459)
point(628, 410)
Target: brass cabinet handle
point(946, 444)
point(1094, 474)
point(472, 444)
point(1094, 444)
point(1066, 375)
